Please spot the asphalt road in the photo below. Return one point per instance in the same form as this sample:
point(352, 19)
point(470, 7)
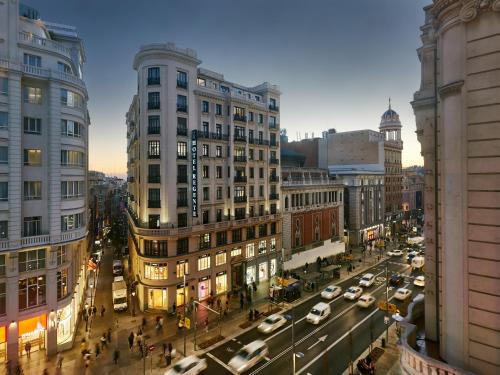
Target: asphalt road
point(331, 354)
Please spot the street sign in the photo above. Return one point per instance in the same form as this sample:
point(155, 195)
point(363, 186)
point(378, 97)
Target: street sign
point(187, 323)
point(392, 308)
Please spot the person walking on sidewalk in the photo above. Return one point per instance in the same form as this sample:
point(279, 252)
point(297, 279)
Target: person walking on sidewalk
point(97, 350)
point(103, 310)
point(116, 356)
point(241, 301)
point(94, 310)
point(131, 340)
point(103, 341)
point(59, 360)
point(27, 348)
point(108, 337)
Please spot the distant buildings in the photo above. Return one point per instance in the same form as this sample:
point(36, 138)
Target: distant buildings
point(413, 196)
point(203, 180)
point(44, 127)
point(457, 110)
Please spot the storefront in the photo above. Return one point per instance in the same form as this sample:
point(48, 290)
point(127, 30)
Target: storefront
point(157, 298)
point(263, 274)
point(180, 299)
point(32, 330)
point(251, 274)
point(372, 233)
point(221, 282)
point(272, 268)
point(64, 324)
point(3, 344)
point(203, 288)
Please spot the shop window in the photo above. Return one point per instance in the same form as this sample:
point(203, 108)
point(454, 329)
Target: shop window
point(262, 247)
point(62, 283)
point(221, 283)
point(62, 255)
point(182, 268)
point(155, 271)
point(32, 292)
point(236, 252)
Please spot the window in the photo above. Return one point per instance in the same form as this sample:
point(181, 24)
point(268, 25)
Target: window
point(250, 136)
point(3, 299)
point(250, 233)
point(154, 149)
point(156, 271)
point(218, 109)
point(154, 76)
point(206, 171)
point(4, 120)
point(218, 192)
point(154, 198)
point(181, 173)
point(182, 220)
point(153, 100)
point(182, 197)
point(181, 126)
point(32, 226)
point(31, 260)
point(182, 268)
point(272, 121)
point(71, 129)
point(71, 99)
point(250, 250)
point(220, 258)
point(250, 115)
point(154, 221)
point(262, 230)
point(62, 283)
point(236, 234)
point(32, 60)
point(33, 95)
point(181, 150)
point(204, 262)
point(236, 252)
point(218, 171)
point(250, 154)
point(262, 246)
point(206, 150)
point(261, 118)
point(62, 255)
point(206, 193)
point(251, 191)
point(4, 229)
point(32, 190)
point(4, 191)
point(64, 68)
point(218, 215)
point(153, 124)
point(32, 125)
point(239, 113)
point(70, 222)
point(252, 172)
point(72, 189)
point(182, 79)
point(2, 265)
point(31, 292)
point(221, 238)
point(4, 86)
point(205, 106)
point(272, 243)
point(205, 241)
point(201, 82)
point(154, 173)
point(181, 103)
point(205, 215)
point(182, 246)
point(218, 130)
point(239, 213)
point(71, 158)
point(261, 191)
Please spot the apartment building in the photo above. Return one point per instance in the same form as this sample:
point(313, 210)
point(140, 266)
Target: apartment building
point(203, 180)
point(43, 166)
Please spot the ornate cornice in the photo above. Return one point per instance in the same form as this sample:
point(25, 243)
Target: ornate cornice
point(450, 88)
point(471, 8)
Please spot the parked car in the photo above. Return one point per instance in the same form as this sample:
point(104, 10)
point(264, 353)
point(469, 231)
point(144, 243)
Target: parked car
point(188, 366)
point(249, 356)
point(117, 267)
point(272, 323)
point(331, 291)
point(419, 281)
point(395, 253)
point(402, 294)
point(318, 313)
point(367, 280)
point(396, 279)
point(366, 300)
point(352, 293)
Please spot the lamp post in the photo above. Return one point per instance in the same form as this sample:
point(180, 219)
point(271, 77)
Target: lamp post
point(132, 302)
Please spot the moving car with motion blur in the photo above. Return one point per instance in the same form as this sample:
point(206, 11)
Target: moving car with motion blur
point(366, 300)
point(419, 281)
point(318, 313)
point(367, 280)
point(396, 279)
point(331, 291)
point(272, 323)
point(248, 356)
point(402, 294)
point(352, 293)
point(395, 253)
point(191, 365)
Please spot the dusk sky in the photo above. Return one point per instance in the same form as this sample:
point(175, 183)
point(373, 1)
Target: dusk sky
point(336, 62)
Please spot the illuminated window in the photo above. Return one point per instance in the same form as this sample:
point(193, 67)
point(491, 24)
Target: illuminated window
point(220, 258)
point(155, 271)
point(250, 250)
point(62, 283)
point(182, 267)
point(204, 262)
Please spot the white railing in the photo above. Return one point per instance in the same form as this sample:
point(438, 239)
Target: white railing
point(36, 71)
point(4, 63)
point(36, 41)
point(35, 240)
point(43, 239)
point(310, 182)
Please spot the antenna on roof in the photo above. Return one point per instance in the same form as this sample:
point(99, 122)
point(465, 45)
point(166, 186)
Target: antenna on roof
point(389, 102)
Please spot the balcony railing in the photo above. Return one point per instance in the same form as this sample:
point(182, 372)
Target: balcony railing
point(154, 156)
point(274, 196)
point(241, 118)
point(274, 107)
point(240, 159)
point(274, 178)
point(273, 126)
point(32, 39)
point(182, 108)
point(274, 144)
point(274, 161)
point(182, 179)
point(240, 178)
point(153, 105)
point(182, 84)
point(256, 141)
point(153, 81)
point(182, 203)
point(154, 179)
point(240, 138)
point(241, 199)
point(154, 204)
point(182, 131)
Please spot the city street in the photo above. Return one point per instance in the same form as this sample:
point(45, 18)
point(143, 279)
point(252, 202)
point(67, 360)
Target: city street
point(327, 348)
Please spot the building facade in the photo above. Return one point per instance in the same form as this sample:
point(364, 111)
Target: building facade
point(203, 180)
point(413, 197)
point(43, 163)
point(457, 110)
point(390, 127)
point(313, 216)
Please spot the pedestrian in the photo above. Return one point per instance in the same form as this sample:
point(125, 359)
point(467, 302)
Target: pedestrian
point(27, 348)
point(59, 360)
point(103, 341)
point(164, 347)
point(103, 310)
point(227, 304)
point(219, 304)
point(108, 337)
point(161, 323)
point(144, 321)
point(86, 358)
point(97, 350)
point(45, 371)
point(116, 356)
point(94, 310)
point(131, 340)
point(168, 358)
point(250, 315)
point(254, 285)
point(206, 324)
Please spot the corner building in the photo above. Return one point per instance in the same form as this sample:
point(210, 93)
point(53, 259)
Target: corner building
point(43, 163)
point(203, 180)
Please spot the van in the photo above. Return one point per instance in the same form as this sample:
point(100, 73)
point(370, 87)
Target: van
point(117, 267)
point(367, 280)
point(318, 313)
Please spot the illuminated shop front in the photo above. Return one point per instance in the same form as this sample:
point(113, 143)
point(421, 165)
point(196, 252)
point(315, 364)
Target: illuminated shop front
point(180, 300)
point(221, 282)
point(32, 330)
point(272, 268)
point(203, 288)
point(64, 324)
point(3, 344)
point(263, 275)
point(157, 298)
point(251, 274)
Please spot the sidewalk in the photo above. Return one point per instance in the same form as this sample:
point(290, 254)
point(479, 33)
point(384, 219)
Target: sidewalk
point(130, 362)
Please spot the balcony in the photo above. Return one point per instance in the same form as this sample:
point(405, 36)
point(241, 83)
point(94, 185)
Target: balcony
point(154, 204)
point(241, 199)
point(240, 138)
point(274, 107)
point(182, 203)
point(182, 179)
point(241, 118)
point(154, 179)
point(153, 105)
point(182, 131)
point(274, 144)
point(274, 161)
point(43, 43)
point(182, 108)
point(153, 130)
point(262, 142)
point(274, 178)
point(153, 156)
point(274, 196)
point(240, 159)
point(182, 84)
point(220, 136)
point(153, 81)
point(240, 178)
point(274, 126)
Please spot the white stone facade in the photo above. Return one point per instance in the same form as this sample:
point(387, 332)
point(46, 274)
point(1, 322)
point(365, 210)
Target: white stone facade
point(43, 146)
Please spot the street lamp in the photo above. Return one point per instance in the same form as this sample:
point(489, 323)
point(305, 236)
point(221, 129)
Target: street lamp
point(133, 302)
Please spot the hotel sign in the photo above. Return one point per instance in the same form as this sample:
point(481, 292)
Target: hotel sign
point(194, 173)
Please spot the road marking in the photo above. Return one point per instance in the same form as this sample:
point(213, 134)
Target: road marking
point(222, 363)
point(320, 339)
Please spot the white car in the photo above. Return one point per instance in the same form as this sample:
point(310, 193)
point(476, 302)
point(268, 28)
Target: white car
point(331, 291)
point(188, 366)
point(419, 281)
point(402, 294)
point(272, 323)
point(318, 313)
point(249, 356)
point(395, 253)
point(366, 300)
point(352, 293)
point(367, 280)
